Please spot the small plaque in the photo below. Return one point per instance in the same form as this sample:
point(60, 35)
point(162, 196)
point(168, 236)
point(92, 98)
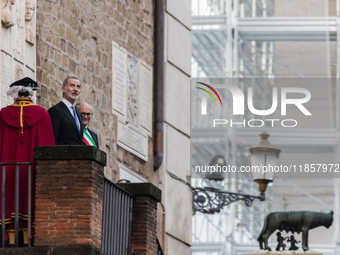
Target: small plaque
point(132, 141)
point(146, 97)
point(128, 174)
point(119, 80)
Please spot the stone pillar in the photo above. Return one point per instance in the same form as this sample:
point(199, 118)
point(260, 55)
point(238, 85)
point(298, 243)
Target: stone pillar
point(69, 196)
point(144, 217)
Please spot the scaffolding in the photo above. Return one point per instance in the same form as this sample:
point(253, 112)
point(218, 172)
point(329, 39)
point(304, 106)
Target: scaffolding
point(260, 41)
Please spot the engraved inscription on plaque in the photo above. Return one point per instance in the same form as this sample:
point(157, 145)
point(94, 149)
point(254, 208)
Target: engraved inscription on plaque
point(145, 97)
point(119, 80)
point(6, 78)
point(132, 101)
point(133, 84)
point(132, 141)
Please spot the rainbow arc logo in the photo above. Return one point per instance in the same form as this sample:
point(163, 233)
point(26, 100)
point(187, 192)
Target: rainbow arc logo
point(204, 100)
point(209, 93)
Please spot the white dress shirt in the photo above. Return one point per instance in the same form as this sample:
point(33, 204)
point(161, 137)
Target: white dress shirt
point(69, 106)
point(88, 132)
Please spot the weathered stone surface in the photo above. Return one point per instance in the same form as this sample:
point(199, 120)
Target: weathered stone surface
point(183, 14)
point(74, 38)
point(73, 152)
point(176, 247)
point(177, 153)
point(178, 210)
point(177, 90)
point(179, 45)
point(142, 189)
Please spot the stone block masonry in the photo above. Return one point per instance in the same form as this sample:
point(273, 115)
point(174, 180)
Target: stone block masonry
point(74, 38)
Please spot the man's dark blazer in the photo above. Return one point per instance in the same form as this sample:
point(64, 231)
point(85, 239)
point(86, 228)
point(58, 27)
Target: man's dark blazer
point(64, 126)
point(94, 136)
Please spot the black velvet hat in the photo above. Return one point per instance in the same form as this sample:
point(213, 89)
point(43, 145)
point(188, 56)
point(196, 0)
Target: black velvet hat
point(25, 82)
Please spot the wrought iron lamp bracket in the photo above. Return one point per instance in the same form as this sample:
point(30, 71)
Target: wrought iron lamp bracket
point(211, 200)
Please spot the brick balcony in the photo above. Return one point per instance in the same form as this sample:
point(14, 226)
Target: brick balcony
point(69, 206)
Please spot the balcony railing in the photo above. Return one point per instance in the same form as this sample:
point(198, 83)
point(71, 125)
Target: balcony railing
point(117, 220)
point(3, 202)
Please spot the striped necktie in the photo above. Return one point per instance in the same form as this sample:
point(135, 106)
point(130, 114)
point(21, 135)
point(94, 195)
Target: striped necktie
point(87, 138)
point(76, 117)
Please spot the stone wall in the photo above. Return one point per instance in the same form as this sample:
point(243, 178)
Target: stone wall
point(75, 38)
point(176, 214)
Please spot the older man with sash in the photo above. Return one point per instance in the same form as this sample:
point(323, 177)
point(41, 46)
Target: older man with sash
point(90, 138)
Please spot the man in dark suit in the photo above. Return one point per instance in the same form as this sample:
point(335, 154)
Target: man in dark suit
point(66, 122)
point(89, 138)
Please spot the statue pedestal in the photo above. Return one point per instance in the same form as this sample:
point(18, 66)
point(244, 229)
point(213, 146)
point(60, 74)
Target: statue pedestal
point(265, 252)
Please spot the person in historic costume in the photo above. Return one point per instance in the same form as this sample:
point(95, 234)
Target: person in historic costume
point(23, 125)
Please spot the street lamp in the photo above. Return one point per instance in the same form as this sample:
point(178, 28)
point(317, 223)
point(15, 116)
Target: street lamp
point(263, 156)
point(210, 200)
point(216, 161)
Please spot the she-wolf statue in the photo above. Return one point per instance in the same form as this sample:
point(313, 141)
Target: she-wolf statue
point(293, 221)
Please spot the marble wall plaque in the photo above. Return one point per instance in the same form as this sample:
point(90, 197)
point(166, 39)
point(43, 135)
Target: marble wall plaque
point(133, 90)
point(146, 97)
point(132, 100)
point(119, 83)
point(128, 174)
point(17, 58)
point(132, 141)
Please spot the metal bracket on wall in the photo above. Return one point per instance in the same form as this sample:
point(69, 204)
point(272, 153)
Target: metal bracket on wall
point(211, 200)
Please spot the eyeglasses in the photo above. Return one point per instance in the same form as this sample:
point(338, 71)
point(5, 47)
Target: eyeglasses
point(83, 114)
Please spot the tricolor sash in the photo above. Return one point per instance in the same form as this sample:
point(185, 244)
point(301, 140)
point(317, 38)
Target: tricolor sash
point(88, 139)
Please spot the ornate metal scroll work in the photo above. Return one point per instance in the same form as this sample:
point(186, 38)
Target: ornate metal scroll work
point(211, 200)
